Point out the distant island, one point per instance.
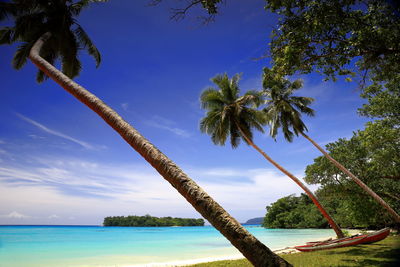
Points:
(258, 220)
(147, 220)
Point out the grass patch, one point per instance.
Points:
(385, 253)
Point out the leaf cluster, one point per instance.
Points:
(34, 18)
(294, 212)
(336, 37)
(283, 108)
(230, 115)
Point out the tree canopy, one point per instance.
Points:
(148, 220)
(294, 212)
(373, 154)
(336, 37)
(32, 19)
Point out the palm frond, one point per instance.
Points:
(211, 99)
(27, 24)
(235, 137)
(70, 63)
(21, 55)
(50, 55)
(77, 7)
(6, 35)
(84, 39)
(252, 98)
(8, 10)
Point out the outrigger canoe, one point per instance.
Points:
(346, 241)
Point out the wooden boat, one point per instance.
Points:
(346, 241)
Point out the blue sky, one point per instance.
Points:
(61, 164)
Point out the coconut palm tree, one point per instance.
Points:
(47, 31)
(232, 116)
(284, 110)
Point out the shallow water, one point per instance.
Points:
(44, 246)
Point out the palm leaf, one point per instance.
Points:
(77, 7)
(21, 55)
(67, 47)
(6, 35)
(84, 39)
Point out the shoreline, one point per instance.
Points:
(285, 250)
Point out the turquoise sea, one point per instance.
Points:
(45, 246)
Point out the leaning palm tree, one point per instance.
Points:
(48, 31)
(284, 110)
(232, 116)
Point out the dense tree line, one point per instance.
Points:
(374, 155)
(148, 220)
(294, 212)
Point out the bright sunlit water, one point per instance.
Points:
(45, 246)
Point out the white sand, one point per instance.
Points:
(286, 250)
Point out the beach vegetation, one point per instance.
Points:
(374, 154)
(150, 221)
(284, 110)
(294, 212)
(232, 116)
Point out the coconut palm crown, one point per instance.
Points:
(33, 18)
(283, 108)
(228, 114)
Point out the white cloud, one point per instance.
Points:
(56, 133)
(165, 124)
(15, 215)
(90, 191)
(54, 216)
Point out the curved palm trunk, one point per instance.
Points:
(355, 179)
(310, 194)
(255, 251)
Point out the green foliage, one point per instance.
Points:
(34, 18)
(228, 114)
(148, 220)
(383, 97)
(283, 108)
(330, 36)
(373, 155)
(294, 212)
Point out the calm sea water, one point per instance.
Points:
(45, 246)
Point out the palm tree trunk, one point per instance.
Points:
(255, 251)
(355, 179)
(310, 194)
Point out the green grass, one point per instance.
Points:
(385, 253)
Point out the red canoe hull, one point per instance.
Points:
(346, 242)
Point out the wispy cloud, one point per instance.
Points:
(165, 124)
(125, 106)
(15, 215)
(76, 185)
(56, 133)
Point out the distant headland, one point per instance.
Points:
(258, 220)
(150, 221)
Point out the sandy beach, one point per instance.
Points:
(285, 250)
